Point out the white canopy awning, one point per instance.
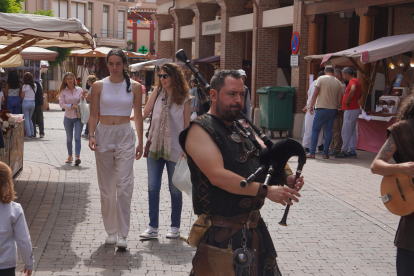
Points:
(102, 52)
(370, 52)
(31, 53)
(50, 31)
(137, 66)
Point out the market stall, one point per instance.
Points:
(393, 58)
(89, 61)
(18, 32)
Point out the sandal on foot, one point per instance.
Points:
(310, 156)
(325, 156)
(77, 161)
(69, 160)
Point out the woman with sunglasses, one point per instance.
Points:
(113, 141)
(171, 111)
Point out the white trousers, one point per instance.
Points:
(306, 142)
(114, 164)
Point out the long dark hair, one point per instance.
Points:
(179, 84)
(13, 80)
(28, 79)
(118, 52)
(407, 109)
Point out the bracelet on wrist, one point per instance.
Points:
(91, 136)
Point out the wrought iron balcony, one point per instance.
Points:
(112, 34)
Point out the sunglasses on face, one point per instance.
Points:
(161, 76)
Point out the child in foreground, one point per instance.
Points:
(13, 228)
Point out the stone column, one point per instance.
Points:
(365, 36)
(162, 48)
(204, 45)
(265, 51)
(182, 17)
(300, 76)
(231, 42)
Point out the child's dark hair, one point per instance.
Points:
(118, 52)
(7, 193)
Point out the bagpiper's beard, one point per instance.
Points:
(226, 113)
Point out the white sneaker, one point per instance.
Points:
(150, 233)
(121, 242)
(174, 233)
(111, 239)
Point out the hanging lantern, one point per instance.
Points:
(391, 65)
(412, 61)
(400, 62)
(130, 21)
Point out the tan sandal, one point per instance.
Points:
(69, 160)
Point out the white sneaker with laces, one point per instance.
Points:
(150, 233)
(111, 239)
(121, 242)
(174, 233)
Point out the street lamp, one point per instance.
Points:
(96, 37)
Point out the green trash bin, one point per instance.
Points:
(276, 108)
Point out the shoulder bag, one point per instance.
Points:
(148, 144)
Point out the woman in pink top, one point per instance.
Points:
(69, 99)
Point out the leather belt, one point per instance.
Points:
(234, 224)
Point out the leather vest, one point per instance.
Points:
(233, 144)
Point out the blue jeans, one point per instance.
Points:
(323, 117)
(86, 129)
(155, 168)
(28, 107)
(14, 104)
(69, 123)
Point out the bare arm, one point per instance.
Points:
(150, 104)
(382, 167)
(6, 91)
(94, 109)
(350, 95)
(314, 97)
(205, 153)
(139, 124)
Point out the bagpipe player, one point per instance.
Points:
(232, 237)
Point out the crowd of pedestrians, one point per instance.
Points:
(332, 109)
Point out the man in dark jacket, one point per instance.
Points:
(37, 117)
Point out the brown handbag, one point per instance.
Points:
(148, 144)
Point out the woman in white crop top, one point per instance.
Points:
(28, 104)
(113, 141)
(171, 107)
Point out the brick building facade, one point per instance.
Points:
(255, 35)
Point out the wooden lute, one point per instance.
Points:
(397, 194)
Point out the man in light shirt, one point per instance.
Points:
(328, 98)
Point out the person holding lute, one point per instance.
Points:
(399, 146)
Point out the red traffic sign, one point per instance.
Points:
(294, 44)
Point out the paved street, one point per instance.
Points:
(340, 226)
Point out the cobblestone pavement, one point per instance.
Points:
(340, 226)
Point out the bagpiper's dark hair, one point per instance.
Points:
(118, 52)
(407, 108)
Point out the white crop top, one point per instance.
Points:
(112, 104)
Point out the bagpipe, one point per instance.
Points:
(273, 158)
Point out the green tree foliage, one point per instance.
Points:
(42, 12)
(63, 53)
(10, 6)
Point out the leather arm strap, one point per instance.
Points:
(262, 192)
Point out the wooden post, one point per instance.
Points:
(365, 36)
(313, 45)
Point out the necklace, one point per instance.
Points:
(115, 87)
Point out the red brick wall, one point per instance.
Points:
(264, 65)
(403, 19)
(337, 33)
(182, 17)
(231, 43)
(299, 74)
(163, 48)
